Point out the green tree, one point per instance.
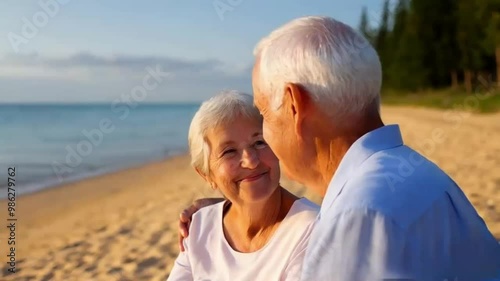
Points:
(398, 74)
(491, 14)
(470, 35)
(429, 43)
(409, 70)
(445, 49)
(382, 44)
(364, 25)
(423, 45)
(434, 23)
(400, 18)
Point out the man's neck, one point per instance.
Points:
(332, 146)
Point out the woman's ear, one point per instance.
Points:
(207, 179)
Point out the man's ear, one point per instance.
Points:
(298, 101)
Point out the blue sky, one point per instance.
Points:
(98, 51)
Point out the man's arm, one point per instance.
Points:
(187, 214)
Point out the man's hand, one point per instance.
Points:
(185, 216)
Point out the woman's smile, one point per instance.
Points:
(253, 177)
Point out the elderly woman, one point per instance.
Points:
(260, 231)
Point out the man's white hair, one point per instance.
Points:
(220, 110)
(336, 65)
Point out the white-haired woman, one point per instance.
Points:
(260, 231)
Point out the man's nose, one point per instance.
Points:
(250, 158)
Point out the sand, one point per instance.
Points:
(123, 226)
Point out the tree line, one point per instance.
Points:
(432, 44)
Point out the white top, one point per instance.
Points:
(208, 256)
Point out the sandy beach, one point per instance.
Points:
(123, 226)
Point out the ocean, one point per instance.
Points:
(53, 144)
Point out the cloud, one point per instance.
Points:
(88, 77)
(19, 72)
(124, 62)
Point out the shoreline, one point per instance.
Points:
(54, 182)
(79, 185)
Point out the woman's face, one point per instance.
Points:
(242, 166)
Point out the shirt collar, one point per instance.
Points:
(382, 138)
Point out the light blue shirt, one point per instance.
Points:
(391, 214)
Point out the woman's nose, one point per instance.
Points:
(250, 159)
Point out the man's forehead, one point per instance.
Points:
(257, 100)
(256, 61)
(257, 97)
(256, 70)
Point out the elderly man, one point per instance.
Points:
(388, 213)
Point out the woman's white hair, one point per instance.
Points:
(337, 66)
(224, 108)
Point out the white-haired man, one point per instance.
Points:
(317, 84)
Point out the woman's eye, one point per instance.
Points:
(228, 152)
